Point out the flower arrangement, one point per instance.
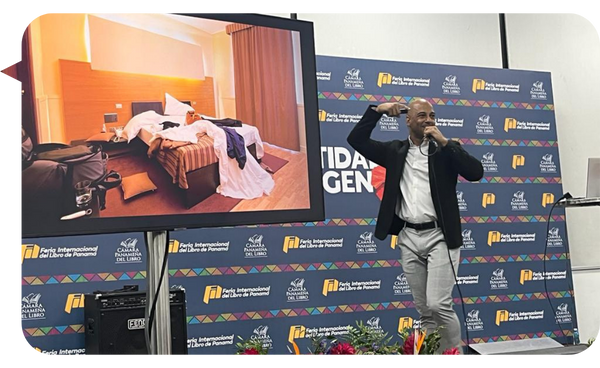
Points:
(342, 348)
(252, 346)
(366, 340)
(427, 344)
(360, 340)
(320, 345)
(453, 351)
(371, 341)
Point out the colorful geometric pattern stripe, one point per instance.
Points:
(434, 101)
(293, 267)
(326, 222)
(80, 278)
(55, 330)
(514, 258)
(296, 312)
(513, 297)
(532, 335)
(508, 219)
(229, 317)
(506, 142)
(352, 308)
(373, 222)
(272, 268)
(514, 180)
(209, 271)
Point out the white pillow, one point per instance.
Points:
(175, 107)
(136, 123)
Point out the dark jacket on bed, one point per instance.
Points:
(236, 147)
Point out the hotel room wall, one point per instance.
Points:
(88, 93)
(63, 37)
(164, 25)
(122, 48)
(54, 37)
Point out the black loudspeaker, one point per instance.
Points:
(114, 323)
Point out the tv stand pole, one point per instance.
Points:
(157, 243)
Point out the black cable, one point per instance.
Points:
(454, 273)
(570, 280)
(437, 148)
(544, 275)
(146, 309)
(154, 302)
(162, 274)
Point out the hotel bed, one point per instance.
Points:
(194, 168)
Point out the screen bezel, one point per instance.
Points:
(153, 223)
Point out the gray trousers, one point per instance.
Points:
(427, 268)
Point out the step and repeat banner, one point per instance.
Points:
(291, 282)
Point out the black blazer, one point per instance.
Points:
(444, 168)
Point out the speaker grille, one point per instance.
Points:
(120, 330)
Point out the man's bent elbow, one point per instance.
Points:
(353, 141)
(476, 175)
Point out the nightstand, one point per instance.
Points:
(116, 149)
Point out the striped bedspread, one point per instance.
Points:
(188, 158)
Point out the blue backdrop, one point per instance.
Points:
(289, 282)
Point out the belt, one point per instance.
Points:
(423, 226)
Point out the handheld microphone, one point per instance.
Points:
(430, 138)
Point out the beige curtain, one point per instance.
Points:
(265, 88)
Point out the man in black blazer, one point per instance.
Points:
(419, 205)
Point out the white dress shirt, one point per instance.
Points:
(417, 205)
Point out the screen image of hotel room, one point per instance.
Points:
(89, 67)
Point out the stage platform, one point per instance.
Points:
(542, 346)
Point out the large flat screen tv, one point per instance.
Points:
(199, 120)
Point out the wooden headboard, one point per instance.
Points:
(156, 106)
(140, 107)
(88, 94)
